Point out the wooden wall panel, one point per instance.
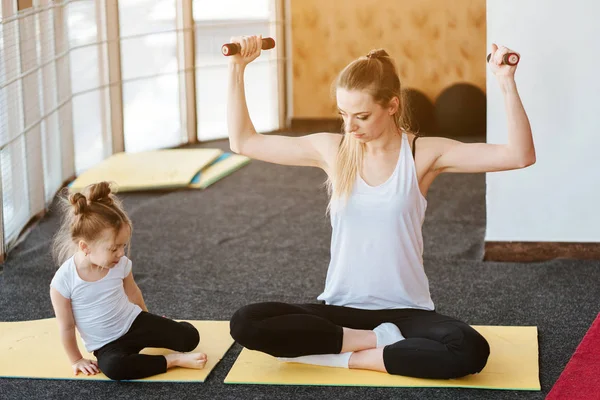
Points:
(435, 43)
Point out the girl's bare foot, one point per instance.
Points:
(186, 360)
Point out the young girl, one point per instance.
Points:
(94, 290)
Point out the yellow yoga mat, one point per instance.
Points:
(32, 349)
(512, 365)
(159, 169)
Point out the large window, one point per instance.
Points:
(83, 79)
(216, 23)
(85, 65)
(15, 196)
(150, 76)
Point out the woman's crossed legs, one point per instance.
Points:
(435, 346)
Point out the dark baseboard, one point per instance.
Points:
(313, 125)
(540, 251)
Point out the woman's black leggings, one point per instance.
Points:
(120, 359)
(436, 346)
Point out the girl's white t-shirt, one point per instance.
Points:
(101, 309)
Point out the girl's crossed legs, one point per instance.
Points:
(120, 359)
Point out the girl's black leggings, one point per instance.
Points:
(120, 359)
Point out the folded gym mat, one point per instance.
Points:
(581, 377)
(157, 169)
(32, 349)
(226, 164)
(512, 365)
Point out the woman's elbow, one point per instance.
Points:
(235, 146)
(527, 160)
(241, 147)
(235, 149)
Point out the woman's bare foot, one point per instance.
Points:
(186, 360)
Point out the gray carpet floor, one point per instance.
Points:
(261, 234)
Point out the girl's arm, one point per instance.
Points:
(66, 324)
(133, 292)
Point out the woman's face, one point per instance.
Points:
(364, 118)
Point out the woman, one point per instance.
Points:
(376, 310)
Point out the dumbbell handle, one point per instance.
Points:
(229, 49)
(508, 58)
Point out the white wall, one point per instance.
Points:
(558, 198)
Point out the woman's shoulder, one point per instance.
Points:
(427, 143)
(327, 144)
(426, 150)
(326, 139)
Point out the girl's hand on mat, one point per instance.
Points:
(88, 367)
(250, 48)
(497, 66)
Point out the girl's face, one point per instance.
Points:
(364, 118)
(108, 249)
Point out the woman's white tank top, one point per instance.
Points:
(377, 243)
